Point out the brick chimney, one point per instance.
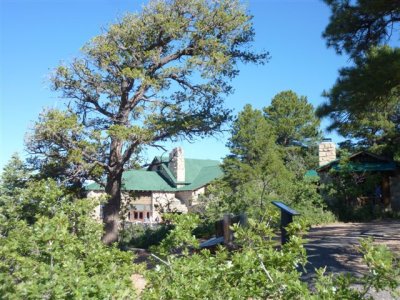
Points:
(326, 152)
(177, 164)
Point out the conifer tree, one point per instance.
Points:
(157, 75)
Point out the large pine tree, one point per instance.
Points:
(157, 75)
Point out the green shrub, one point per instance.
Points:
(180, 239)
(255, 271)
(143, 235)
(55, 252)
(259, 269)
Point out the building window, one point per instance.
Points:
(135, 215)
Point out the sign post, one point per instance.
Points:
(287, 214)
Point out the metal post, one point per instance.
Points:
(243, 219)
(287, 214)
(227, 230)
(286, 219)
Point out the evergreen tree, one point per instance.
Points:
(254, 170)
(296, 127)
(355, 26)
(157, 75)
(14, 176)
(269, 156)
(293, 119)
(364, 103)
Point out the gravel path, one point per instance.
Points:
(335, 246)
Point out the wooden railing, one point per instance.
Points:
(224, 233)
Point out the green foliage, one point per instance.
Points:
(142, 236)
(306, 199)
(383, 274)
(383, 267)
(14, 176)
(355, 26)
(206, 229)
(180, 239)
(67, 162)
(221, 199)
(50, 247)
(330, 287)
(296, 127)
(59, 255)
(259, 269)
(293, 119)
(38, 198)
(255, 170)
(364, 103)
(268, 160)
(349, 194)
(157, 75)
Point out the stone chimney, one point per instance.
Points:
(177, 164)
(326, 152)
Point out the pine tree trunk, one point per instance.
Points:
(113, 189)
(112, 208)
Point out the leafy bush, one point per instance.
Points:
(55, 252)
(255, 271)
(349, 194)
(206, 228)
(260, 269)
(305, 198)
(301, 195)
(181, 237)
(142, 235)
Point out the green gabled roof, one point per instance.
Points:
(367, 166)
(311, 174)
(167, 174)
(204, 176)
(375, 163)
(94, 187)
(198, 172)
(140, 180)
(193, 167)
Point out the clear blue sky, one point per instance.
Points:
(36, 35)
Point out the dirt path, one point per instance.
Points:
(335, 246)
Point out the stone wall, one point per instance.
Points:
(97, 196)
(196, 194)
(190, 197)
(140, 201)
(155, 202)
(137, 198)
(166, 202)
(185, 196)
(326, 152)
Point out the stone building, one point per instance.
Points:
(363, 164)
(169, 184)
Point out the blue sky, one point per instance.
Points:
(36, 35)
